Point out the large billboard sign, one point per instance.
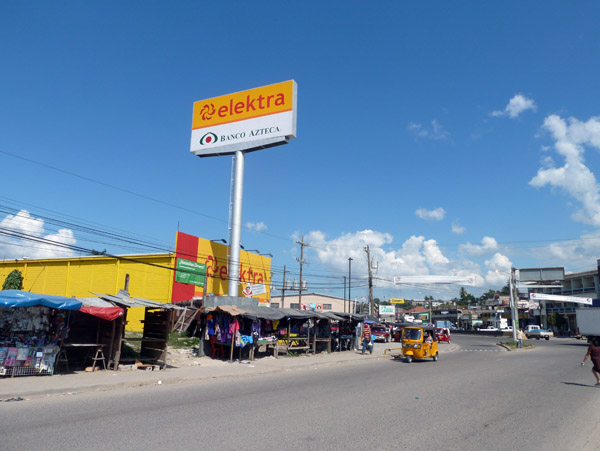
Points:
(247, 120)
(541, 274)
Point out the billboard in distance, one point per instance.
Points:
(247, 120)
(387, 310)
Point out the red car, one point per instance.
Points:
(380, 333)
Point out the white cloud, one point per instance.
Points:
(414, 257)
(256, 226)
(516, 106)
(488, 245)
(434, 256)
(499, 270)
(578, 253)
(574, 177)
(24, 224)
(431, 215)
(457, 228)
(436, 132)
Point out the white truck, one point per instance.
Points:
(588, 321)
(535, 331)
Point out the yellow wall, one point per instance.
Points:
(254, 269)
(82, 277)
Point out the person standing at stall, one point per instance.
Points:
(366, 337)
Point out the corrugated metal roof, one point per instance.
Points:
(95, 302)
(123, 298)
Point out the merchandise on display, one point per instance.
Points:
(29, 340)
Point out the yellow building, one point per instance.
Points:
(151, 276)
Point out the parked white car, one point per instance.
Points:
(488, 329)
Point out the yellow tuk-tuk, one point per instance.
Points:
(419, 342)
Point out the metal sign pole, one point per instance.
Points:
(236, 225)
(513, 304)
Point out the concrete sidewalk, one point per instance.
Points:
(181, 370)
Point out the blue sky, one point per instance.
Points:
(451, 139)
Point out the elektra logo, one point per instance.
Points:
(209, 138)
(207, 112)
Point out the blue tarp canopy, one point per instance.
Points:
(16, 298)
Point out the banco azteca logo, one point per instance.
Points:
(207, 112)
(208, 138)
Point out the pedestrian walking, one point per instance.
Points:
(366, 337)
(594, 354)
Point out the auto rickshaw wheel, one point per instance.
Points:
(435, 357)
(409, 359)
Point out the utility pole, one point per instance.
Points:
(283, 290)
(514, 311)
(366, 249)
(350, 284)
(301, 261)
(344, 294)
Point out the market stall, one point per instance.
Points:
(155, 335)
(32, 330)
(323, 331)
(95, 335)
(244, 331)
(228, 327)
(347, 331)
(251, 328)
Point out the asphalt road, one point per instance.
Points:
(479, 397)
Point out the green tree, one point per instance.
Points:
(465, 296)
(14, 281)
(488, 295)
(557, 320)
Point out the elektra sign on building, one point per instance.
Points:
(247, 120)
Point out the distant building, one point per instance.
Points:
(578, 284)
(313, 301)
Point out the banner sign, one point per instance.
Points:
(397, 300)
(247, 120)
(459, 280)
(557, 298)
(259, 289)
(190, 272)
